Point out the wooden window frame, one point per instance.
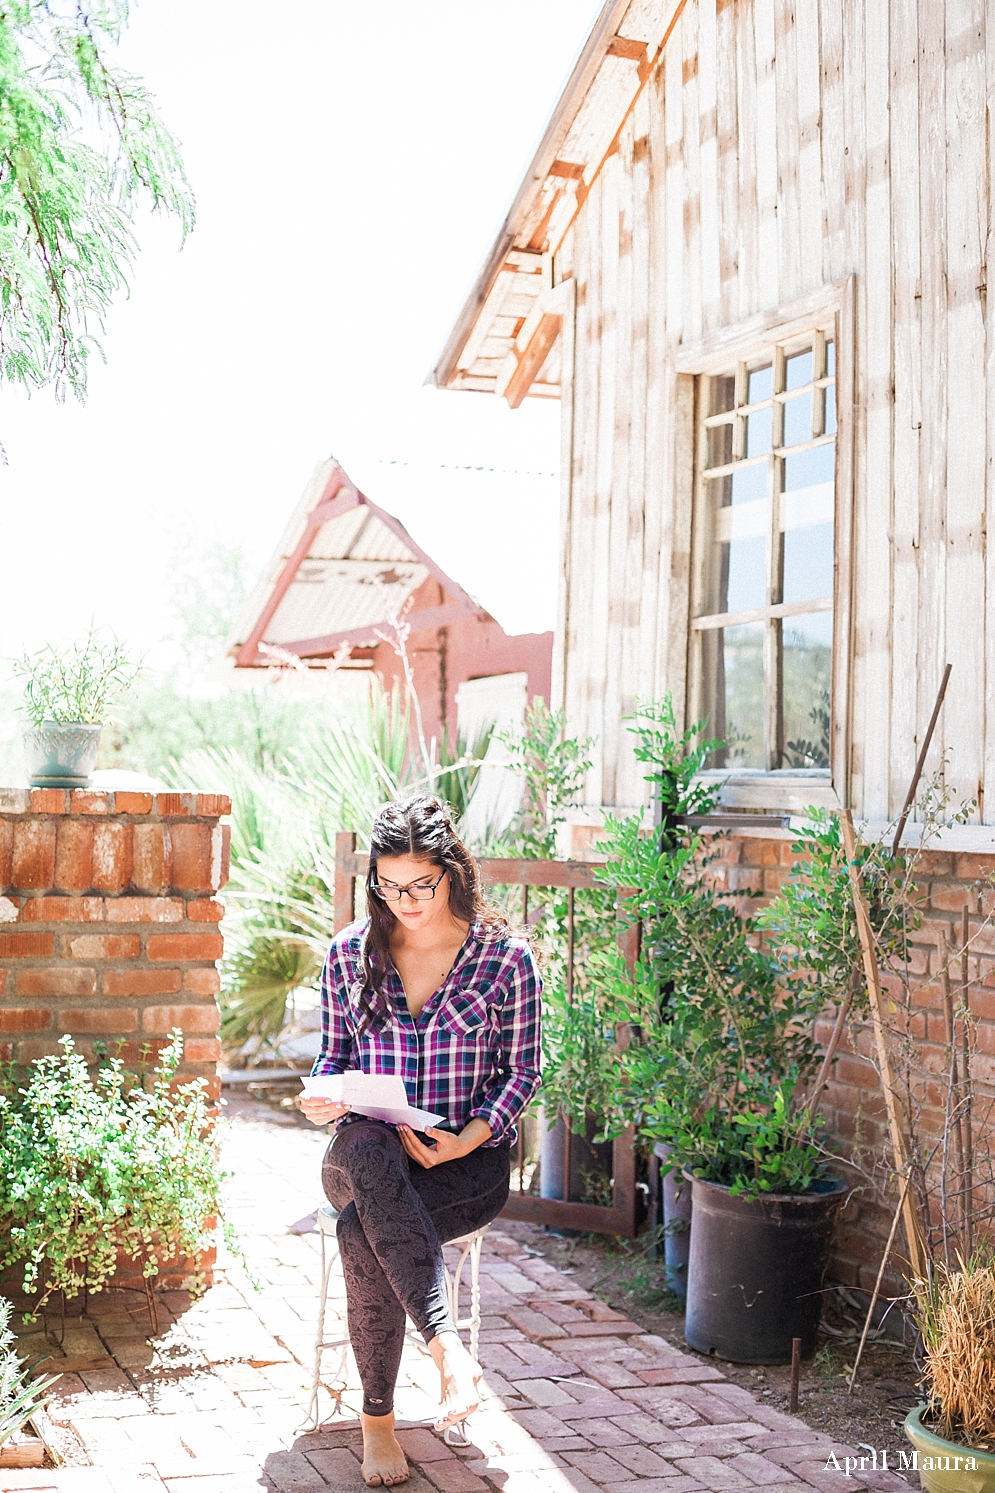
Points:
(829, 310)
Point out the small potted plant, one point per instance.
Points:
(954, 1431)
(66, 695)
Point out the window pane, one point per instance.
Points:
(758, 433)
(737, 579)
(813, 468)
(723, 395)
(746, 563)
(808, 563)
(831, 410)
(761, 385)
(831, 359)
(807, 523)
(798, 420)
(719, 446)
(799, 371)
(750, 484)
(807, 645)
(741, 678)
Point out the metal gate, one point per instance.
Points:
(351, 866)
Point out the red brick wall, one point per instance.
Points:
(109, 922)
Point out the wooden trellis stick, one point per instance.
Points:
(917, 1255)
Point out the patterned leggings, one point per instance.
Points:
(394, 1217)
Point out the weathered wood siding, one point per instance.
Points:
(782, 145)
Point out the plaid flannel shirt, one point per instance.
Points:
(473, 1049)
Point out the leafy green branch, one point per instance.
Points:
(67, 205)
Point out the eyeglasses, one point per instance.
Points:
(418, 891)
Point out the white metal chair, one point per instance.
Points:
(470, 1245)
(326, 1219)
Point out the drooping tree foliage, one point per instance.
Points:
(82, 146)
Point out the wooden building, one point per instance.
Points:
(344, 573)
(750, 256)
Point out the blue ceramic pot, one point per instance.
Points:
(60, 756)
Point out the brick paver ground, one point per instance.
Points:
(576, 1399)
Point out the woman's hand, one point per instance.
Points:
(321, 1111)
(447, 1146)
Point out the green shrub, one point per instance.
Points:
(90, 1165)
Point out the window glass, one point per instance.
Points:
(813, 468)
(798, 371)
(831, 410)
(743, 695)
(798, 420)
(761, 385)
(807, 644)
(747, 574)
(719, 446)
(723, 395)
(758, 433)
(808, 563)
(749, 485)
(781, 719)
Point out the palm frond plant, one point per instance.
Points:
(20, 1395)
(260, 975)
(456, 777)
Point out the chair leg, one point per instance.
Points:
(475, 1253)
(326, 1267)
(328, 1257)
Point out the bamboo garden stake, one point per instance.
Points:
(913, 1237)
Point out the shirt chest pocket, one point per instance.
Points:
(466, 1015)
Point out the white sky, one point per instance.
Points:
(352, 163)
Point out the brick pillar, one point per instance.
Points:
(108, 922)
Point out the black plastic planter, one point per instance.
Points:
(756, 1270)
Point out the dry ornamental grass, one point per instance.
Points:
(956, 1313)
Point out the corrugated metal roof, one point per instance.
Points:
(330, 596)
(359, 568)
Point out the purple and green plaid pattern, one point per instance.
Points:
(474, 1049)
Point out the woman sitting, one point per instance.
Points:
(433, 986)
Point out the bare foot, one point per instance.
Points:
(384, 1462)
(459, 1374)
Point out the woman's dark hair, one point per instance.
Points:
(420, 826)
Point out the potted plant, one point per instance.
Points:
(714, 1076)
(954, 1431)
(66, 695)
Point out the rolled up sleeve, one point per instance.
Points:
(516, 1075)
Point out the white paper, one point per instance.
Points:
(378, 1096)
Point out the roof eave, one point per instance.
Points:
(591, 57)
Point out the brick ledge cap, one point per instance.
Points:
(181, 803)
